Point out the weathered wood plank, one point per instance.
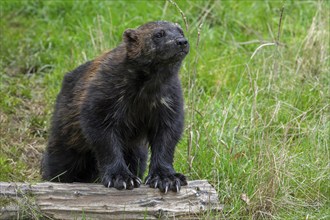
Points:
(94, 201)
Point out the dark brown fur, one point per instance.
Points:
(111, 109)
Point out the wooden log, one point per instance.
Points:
(94, 201)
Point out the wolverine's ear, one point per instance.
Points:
(130, 36)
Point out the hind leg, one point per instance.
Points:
(64, 166)
(56, 166)
(88, 172)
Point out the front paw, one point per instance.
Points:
(121, 180)
(166, 181)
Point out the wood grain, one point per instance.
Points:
(94, 201)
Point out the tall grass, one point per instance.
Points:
(260, 139)
(257, 94)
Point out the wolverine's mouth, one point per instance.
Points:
(182, 53)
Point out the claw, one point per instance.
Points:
(132, 182)
(166, 189)
(156, 184)
(109, 184)
(124, 184)
(177, 188)
(138, 180)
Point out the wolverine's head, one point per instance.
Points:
(156, 42)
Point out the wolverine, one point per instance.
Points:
(112, 109)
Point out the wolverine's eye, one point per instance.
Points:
(181, 31)
(160, 34)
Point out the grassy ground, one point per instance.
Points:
(257, 128)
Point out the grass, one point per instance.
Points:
(258, 129)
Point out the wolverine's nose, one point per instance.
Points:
(182, 42)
